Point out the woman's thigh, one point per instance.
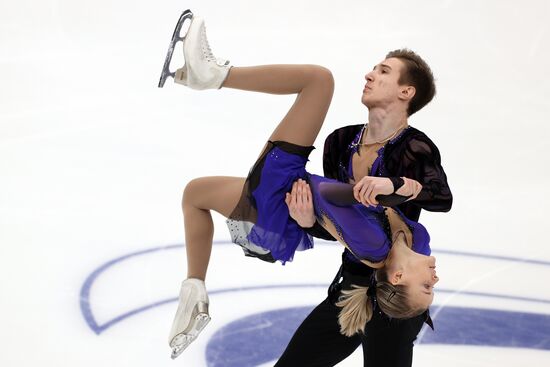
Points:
(218, 193)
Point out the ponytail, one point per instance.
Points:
(356, 310)
(358, 303)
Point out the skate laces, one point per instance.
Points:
(206, 46)
(207, 51)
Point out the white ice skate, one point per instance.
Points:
(191, 316)
(202, 70)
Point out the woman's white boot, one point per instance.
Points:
(191, 316)
(202, 70)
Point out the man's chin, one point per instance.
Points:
(365, 101)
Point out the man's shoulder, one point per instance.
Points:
(414, 134)
(342, 136)
(414, 140)
(354, 129)
(345, 134)
(348, 129)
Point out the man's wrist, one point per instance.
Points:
(307, 225)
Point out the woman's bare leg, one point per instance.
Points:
(314, 87)
(201, 195)
(313, 84)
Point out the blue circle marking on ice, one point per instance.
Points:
(454, 324)
(85, 290)
(271, 331)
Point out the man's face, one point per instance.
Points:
(382, 86)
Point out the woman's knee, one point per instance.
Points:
(323, 76)
(193, 192)
(213, 193)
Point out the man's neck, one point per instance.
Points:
(384, 122)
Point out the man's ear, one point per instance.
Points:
(407, 92)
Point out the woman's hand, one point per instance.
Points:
(368, 187)
(411, 187)
(300, 204)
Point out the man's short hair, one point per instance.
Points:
(418, 74)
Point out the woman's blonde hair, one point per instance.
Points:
(357, 305)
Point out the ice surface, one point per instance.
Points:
(94, 158)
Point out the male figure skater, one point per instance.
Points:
(373, 157)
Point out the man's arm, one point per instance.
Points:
(423, 183)
(424, 166)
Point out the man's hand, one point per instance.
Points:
(368, 187)
(300, 204)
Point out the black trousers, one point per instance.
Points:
(318, 343)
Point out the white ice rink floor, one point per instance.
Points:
(94, 158)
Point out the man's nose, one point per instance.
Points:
(368, 77)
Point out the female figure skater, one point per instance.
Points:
(257, 207)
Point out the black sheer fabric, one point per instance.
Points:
(412, 155)
(341, 194)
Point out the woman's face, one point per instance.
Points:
(419, 276)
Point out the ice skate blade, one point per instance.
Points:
(181, 341)
(187, 14)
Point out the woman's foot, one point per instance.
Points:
(191, 316)
(202, 70)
